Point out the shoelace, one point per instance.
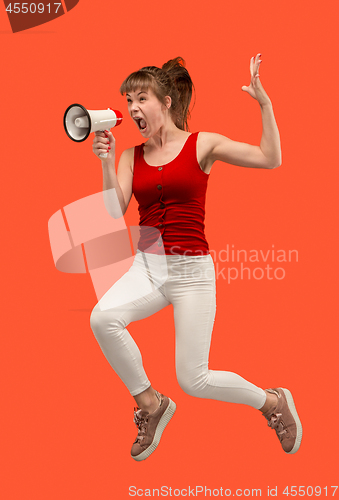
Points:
(141, 423)
(274, 422)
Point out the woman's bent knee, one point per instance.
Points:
(105, 323)
(96, 320)
(193, 386)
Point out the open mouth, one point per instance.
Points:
(142, 125)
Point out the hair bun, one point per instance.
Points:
(177, 61)
(177, 69)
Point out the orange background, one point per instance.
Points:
(66, 419)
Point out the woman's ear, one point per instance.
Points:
(168, 102)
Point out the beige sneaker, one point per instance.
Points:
(284, 419)
(151, 426)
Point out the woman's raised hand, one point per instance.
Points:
(104, 142)
(255, 88)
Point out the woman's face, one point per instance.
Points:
(147, 111)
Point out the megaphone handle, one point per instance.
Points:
(103, 155)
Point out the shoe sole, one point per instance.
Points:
(293, 410)
(169, 412)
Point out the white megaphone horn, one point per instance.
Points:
(80, 122)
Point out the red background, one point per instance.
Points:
(66, 418)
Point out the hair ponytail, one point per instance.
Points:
(171, 80)
(183, 89)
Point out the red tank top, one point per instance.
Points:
(171, 199)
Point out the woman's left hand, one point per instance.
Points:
(255, 89)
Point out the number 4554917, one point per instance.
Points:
(32, 8)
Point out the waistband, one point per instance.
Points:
(174, 258)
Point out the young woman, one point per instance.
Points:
(168, 175)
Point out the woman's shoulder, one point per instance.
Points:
(130, 155)
(127, 159)
(209, 137)
(207, 141)
(129, 152)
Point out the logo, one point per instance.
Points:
(90, 236)
(25, 15)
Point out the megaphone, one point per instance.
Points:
(80, 122)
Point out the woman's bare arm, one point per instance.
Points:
(120, 182)
(215, 147)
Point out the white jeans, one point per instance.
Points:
(152, 283)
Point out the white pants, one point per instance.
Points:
(152, 283)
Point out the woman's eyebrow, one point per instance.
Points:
(141, 92)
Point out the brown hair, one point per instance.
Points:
(171, 80)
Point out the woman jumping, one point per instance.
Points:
(168, 175)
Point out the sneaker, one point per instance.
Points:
(151, 426)
(283, 418)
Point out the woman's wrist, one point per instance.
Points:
(108, 164)
(266, 104)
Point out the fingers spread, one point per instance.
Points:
(251, 65)
(258, 60)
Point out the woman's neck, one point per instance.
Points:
(168, 133)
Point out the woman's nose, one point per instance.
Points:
(134, 106)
